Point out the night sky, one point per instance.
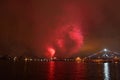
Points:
(66, 27)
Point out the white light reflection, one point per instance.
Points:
(106, 71)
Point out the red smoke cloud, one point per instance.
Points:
(65, 37)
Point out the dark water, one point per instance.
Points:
(58, 71)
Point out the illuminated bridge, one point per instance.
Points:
(105, 54)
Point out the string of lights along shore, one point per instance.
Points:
(102, 56)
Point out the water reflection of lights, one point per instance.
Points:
(106, 71)
(51, 70)
(79, 71)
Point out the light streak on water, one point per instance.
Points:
(106, 71)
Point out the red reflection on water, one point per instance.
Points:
(80, 71)
(66, 70)
(51, 71)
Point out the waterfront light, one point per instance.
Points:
(25, 59)
(15, 58)
(78, 59)
(31, 59)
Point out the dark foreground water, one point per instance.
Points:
(58, 71)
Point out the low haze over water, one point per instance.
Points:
(58, 71)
